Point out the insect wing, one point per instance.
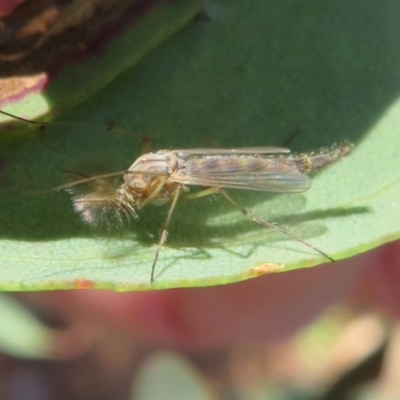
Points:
(239, 151)
(244, 172)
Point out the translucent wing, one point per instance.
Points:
(255, 151)
(243, 172)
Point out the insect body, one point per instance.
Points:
(165, 176)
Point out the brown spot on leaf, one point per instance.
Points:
(84, 283)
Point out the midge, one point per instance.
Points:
(166, 175)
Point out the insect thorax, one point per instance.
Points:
(148, 176)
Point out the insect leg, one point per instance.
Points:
(271, 225)
(146, 141)
(202, 193)
(146, 145)
(164, 232)
(27, 121)
(154, 193)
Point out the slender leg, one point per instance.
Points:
(154, 193)
(255, 218)
(95, 178)
(202, 193)
(164, 232)
(146, 145)
(146, 141)
(271, 224)
(27, 121)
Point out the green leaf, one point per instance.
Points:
(248, 74)
(22, 334)
(166, 375)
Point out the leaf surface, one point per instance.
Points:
(243, 74)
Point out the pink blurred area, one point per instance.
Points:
(8, 6)
(240, 335)
(268, 308)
